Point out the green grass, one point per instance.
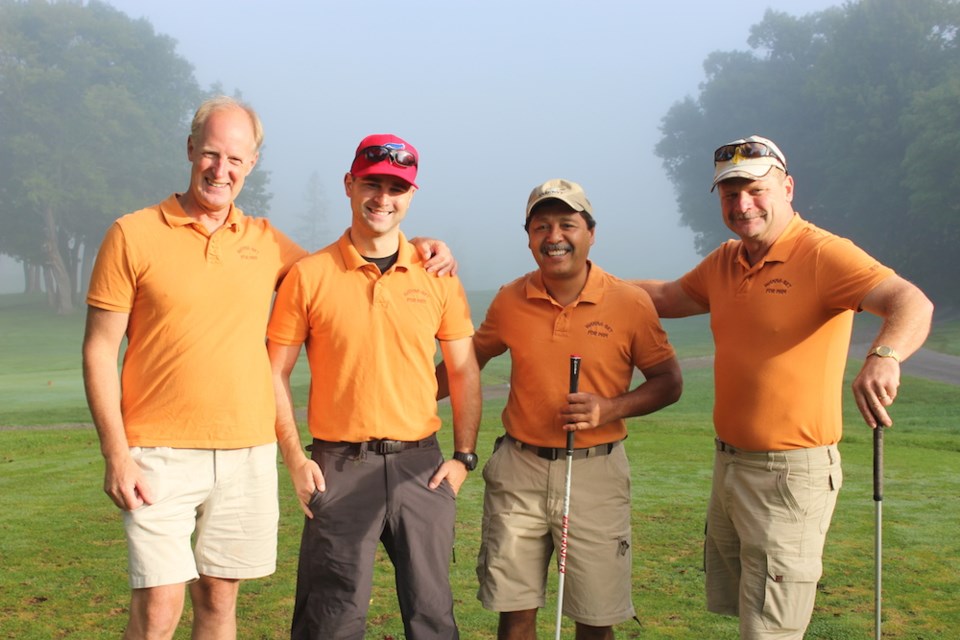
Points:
(945, 337)
(40, 377)
(64, 557)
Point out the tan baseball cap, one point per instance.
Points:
(568, 192)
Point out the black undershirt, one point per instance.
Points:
(384, 263)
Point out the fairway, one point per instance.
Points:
(64, 557)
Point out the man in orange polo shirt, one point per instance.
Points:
(567, 306)
(782, 299)
(370, 316)
(189, 444)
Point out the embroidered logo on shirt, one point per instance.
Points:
(248, 253)
(416, 296)
(777, 286)
(599, 329)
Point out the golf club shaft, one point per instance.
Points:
(878, 463)
(878, 500)
(564, 525)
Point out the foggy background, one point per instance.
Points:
(497, 96)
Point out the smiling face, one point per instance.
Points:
(221, 157)
(378, 203)
(757, 210)
(560, 241)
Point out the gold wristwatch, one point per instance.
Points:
(883, 351)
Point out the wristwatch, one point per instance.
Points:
(884, 351)
(469, 460)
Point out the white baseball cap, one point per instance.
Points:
(749, 158)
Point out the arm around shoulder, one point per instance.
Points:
(437, 256)
(670, 299)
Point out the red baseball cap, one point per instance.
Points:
(386, 154)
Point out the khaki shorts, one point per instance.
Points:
(522, 521)
(767, 523)
(227, 499)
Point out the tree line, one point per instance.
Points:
(94, 113)
(864, 99)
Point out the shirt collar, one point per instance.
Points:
(175, 216)
(592, 290)
(406, 257)
(782, 246)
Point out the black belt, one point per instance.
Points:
(380, 447)
(556, 453)
(726, 448)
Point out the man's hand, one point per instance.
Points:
(307, 480)
(436, 255)
(123, 481)
(454, 471)
(662, 386)
(906, 314)
(875, 389)
(583, 411)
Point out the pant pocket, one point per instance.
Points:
(790, 591)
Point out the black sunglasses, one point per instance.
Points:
(747, 150)
(380, 153)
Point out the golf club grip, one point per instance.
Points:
(574, 373)
(574, 386)
(878, 463)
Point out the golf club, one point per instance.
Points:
(564, 527)
(878, 500)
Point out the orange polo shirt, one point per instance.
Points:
(614, 328)
(371, 340)
(195, 373)
(782, 330)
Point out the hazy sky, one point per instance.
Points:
(497, 96)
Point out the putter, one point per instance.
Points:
(564, 527)
(878, 500)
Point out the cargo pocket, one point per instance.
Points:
(790, 591)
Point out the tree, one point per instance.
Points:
(931, 170)
(254, 200)
(849, 94)
(312, 232)
(94, 110)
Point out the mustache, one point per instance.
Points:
(547, 247)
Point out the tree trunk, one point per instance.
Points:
(31, 277)
(63, 294)
(86, 268)
(72, 251)
(49, 287)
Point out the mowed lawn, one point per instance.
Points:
(63, 555)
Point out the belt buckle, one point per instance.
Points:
(385, 447)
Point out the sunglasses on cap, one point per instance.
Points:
(380, 153)
(746, 150)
